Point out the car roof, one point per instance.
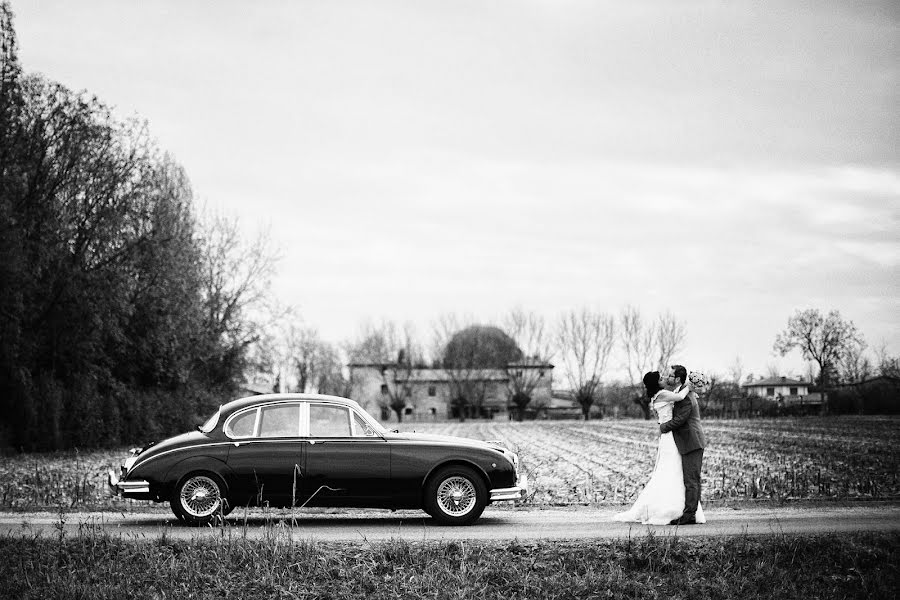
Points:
(234, 405)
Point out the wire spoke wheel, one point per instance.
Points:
(456, 496)
(200, 497)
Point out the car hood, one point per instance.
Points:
(445, 439)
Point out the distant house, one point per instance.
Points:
(775, 387)
(429, 391)
(784, 391)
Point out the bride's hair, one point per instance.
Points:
(651, 382)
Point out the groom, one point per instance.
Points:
(690, 441)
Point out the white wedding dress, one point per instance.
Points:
(662, 499)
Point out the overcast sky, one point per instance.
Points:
(731, 162)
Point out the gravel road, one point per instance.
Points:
(497, 524)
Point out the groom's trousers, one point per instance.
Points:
(690, 465)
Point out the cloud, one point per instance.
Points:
(727, 162)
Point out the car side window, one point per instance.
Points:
(242, 426)
(328, 421)
(361, 428)
(280, 421)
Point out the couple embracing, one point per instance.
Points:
(672, 495)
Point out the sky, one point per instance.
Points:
(729, 162)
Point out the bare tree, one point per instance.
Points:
(824, 339)
(855, 366)
(737, 370)
(638, 343)
(888, 366)
(315, 363)
(235, 279)
(395, 350)
(584, 340)
(669, 337)
(648, 346)
(532, 336)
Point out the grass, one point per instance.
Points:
(97, 565)
(755, 461)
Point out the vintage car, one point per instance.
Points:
(299, 450)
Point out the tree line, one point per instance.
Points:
(123, 315)
(585, 345)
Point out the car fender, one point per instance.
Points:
(191, 464)
(454, 461)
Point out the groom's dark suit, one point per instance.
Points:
(690, 441)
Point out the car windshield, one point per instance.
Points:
(210, 423)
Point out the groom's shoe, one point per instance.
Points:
(684, 520)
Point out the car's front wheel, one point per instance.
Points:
(199, 499)
(455, 495)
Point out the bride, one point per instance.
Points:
(662, 499)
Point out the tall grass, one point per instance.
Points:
(96, 565)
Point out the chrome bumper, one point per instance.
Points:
(514, 493)
(117, 487)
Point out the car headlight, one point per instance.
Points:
(129, 462)
(513, 458)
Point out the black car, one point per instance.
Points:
(297, 450)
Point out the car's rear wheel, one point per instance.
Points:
(199, 499)
(455, 495)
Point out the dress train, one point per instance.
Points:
(662, 499)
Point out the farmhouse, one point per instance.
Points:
(775, 387)
(785, 392)
(430, 393)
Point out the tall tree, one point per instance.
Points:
(888, 364)
(235, 278)
(736, 370)
(648, 346)
(825, 339)
(112, 309)
(395, 350)
(855, 366)
(532, 335)
(474, 358)
(585, 339)
(669, 335)
(160, 334)
(316, 363)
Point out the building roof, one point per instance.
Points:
(528, 363)
(441, 375)
(770, 381)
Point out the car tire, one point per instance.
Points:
(199, 499)
(455, 495)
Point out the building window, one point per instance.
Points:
(432, 390)
(793, 391)
(384, 389)
(770, 391)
